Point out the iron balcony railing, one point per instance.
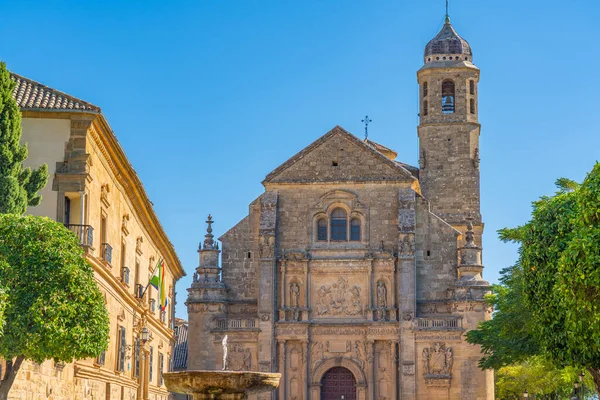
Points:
(439, 323)
(107, 252)
(85, 234)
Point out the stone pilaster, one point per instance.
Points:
(267, 290)
(407, 290)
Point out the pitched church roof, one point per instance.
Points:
(32, 95)
(375, 149)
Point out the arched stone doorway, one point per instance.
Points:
(338, 383)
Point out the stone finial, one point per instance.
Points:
(470, 235)
(208, 238)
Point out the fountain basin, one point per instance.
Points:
(221, 385)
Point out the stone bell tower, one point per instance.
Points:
(449, 129)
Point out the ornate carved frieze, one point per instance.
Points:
(291, 331)
(449, 336)
(344, 330)
(341, 298)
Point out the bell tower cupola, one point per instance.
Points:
(449, 129)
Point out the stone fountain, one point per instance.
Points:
(221, 385)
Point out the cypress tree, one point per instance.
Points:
(19, 185)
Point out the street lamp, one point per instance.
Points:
(145, 335)
(582, 390)
(525, 394)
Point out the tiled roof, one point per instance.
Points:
(32, 95)
(180, 350)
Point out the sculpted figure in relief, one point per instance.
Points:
(247, 360)
(324, 295)
(406, 247)
(294, 294)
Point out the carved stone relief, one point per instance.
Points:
(407, 246)
(339, 299)
(437, 360)
(316, 354)
(266, 246)
(381, 300)
(239, 358)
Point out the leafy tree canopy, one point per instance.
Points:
(54, 309)
(539, 377)
(507, 338)
(19, 186)
(557, 280)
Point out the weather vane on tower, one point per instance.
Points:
(366, 121)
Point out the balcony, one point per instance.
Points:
(106, 252)
(236, 324)
(85, 234)
(439, 324)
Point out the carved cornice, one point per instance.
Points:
(124, 174)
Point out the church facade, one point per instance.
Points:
(355, 275)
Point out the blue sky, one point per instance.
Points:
(207, 97)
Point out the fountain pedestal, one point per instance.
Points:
(221, 385)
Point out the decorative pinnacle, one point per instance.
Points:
(470, 235)
(208, 238)
(447, 14)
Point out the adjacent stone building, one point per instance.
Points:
(95, 192)
(354, 275)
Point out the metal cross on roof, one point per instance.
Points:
(366, 121)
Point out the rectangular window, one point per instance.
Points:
(68, 211)
(136, 364)
(161, 365)
(151, 360)
(103, 229)
(123, 254)
(472, 87)
(122, 349)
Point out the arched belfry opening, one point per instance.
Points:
(448, 97)
(338, 383)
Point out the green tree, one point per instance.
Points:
(507, 338)
(19, 186)
(538, 376)
(54, 309)
(559, 274)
